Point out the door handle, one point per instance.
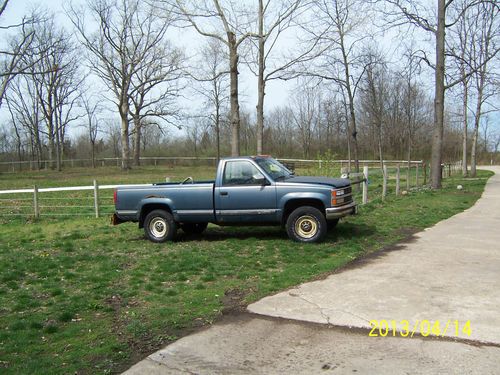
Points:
(223, 193)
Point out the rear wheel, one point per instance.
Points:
(306, 224)
(159, 226)
(194, 228)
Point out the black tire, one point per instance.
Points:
(331, 224)
(194, 228)
(306, 224)
(159, 226)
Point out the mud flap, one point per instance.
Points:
(115, 220)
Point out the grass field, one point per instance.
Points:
(78, 295)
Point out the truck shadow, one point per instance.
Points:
(344, 231)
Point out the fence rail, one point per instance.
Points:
(36, 207)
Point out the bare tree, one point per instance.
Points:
(496, 144)
(410, 102)
(281, 135)
(272, 24)
(341, 22)
(11, 59)
(26, 114)
(92, 107)
(374, 95)
(155, 86)
(306, 114)
(463, 32)
(56, 81)
(413, 13)
(212, 76)
(127, 32)
(225, 23)
(484, 45)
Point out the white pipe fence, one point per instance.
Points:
(36, 191)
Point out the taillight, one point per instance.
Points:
(115, 198)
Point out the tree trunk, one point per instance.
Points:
(125, 145)
(217, 129)
(409, 159)
(473, 153)
(92, 144)
(475, 135)
(465, 171)
(137, 141)
(437, 138)
(477, 120)
(352, 114)
(51, 144)
(235, 106)
(380, 154)
(58, 148)
(261, 85)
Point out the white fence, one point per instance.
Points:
(36, 207)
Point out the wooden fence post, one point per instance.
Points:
(365, 184)
(384, 184)
(397, 180)
(96, 199)
(425, 173)
(408, 166)
(416, 175)
(35, 202)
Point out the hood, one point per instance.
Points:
(335, 182)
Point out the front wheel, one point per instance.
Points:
(306, 224)
(159, 226)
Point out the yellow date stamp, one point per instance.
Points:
(405, 328)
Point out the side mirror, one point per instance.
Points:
(260, 179)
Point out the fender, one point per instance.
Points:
(154, 201)
(324, 198)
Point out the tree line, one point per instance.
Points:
(357, 93)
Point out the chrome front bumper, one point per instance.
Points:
(338, 212)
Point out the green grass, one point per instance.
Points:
(79, 295)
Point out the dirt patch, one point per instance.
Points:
(234, 301)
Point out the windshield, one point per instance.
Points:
(274, 168)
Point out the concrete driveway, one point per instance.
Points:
(449, 274)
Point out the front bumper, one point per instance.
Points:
(338, 212)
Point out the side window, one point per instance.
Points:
(240, 173)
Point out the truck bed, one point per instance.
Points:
(189, 202)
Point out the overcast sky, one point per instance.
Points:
(276, 91)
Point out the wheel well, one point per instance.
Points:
(147, 208)
(296, 203)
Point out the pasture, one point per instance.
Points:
(78, 295)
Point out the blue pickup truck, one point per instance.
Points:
(246, 191)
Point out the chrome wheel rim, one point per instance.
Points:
(158, 227)
(306, 226)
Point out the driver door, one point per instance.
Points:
(245, 195)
